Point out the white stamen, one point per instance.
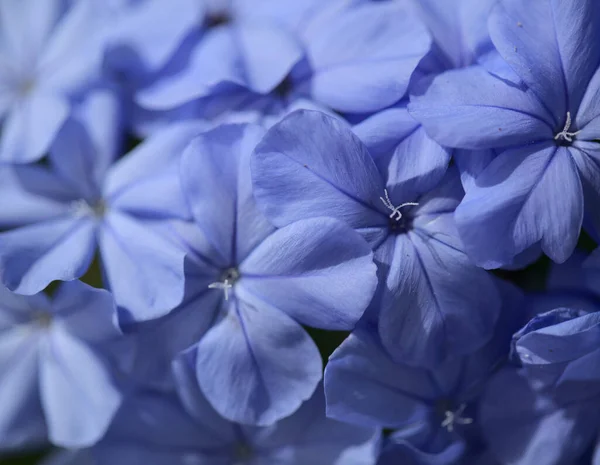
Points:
(453, 418)
(565, 134)
(83, 208)
(395, 210)
(223, 285)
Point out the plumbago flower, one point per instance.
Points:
(139, 41)
(556, 390)
(257, 285)
(544, 127)
(47, 57)
(155, 429)
(521, 424)
(351, 56)
(140, 46)
(460, 38)
(434, 302)
(59, 215)
(433, 411)
(60, 365)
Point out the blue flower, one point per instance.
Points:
(560, 351)
(556, 391)
(139, 41)
(60, 214)
(522, 425)
(434, 302)
(157, 429)
(544, 128)
(349, 56)
(434, 412)
(256, 285)
(61, 365)
(47, 58)
(460, 36)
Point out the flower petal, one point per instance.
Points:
(22, 422)
(33, 256)
(382, 394)
(88, 313)
(215, 175)
(318, 271)
(264, 71)
(25, 26)
(73, 55)
(143, 269)
(521, 427)
(517, 203)
(31, 127)
(469, 108)
(78, 393)
(142, 28)
(329, 174)
(31, 194)
(552, 45)
(253, 376)
(146, 181)
(383, 131)
(438, 303)
(364, 59)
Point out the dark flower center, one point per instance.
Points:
(243, 452)
(226, 282)
(217, 19)
(231, 275)
(42, 319)
(401, 226)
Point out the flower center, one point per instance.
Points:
(227, 281)
(565, 135)
(25, 87)
(398, 222)
(82, 207)
(452, 416)
(42, 319)
(243, 452)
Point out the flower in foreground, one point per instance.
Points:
(256, 285)
(545, 130)
(433, 301)
(62, 362)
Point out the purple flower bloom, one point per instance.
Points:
(434, 302)
(47, 57)
(350, 56)
(559, 350)
(62, 213)
(156, 429)
(60, 364)
(543, 127)
(434, 411)
(256, 285)
(522, 425)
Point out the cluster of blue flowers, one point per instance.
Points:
(235, 173)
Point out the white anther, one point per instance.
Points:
(395, 210)
(565, 134)
(453, 418)
(223, 285)
(83, 208)
(80, 207)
